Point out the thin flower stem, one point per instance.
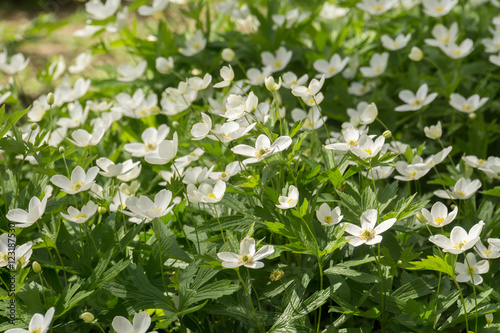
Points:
(255, 291)
(382, 287)
(50, 255)
(463, 303)
(220, 225)
(249, 297)
(473, 289)
(320, 266)
(43, 291)
(159, 251)
(100, 327)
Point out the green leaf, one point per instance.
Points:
(434, 264)
(353, 274)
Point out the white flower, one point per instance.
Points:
(416, 101)
(158, 6)
(151, 138)
(3, 98)
(82, 138)
(437, 8)
(232, 169)
(164, 65)
(57, 68)
(433, 132)
(184, 161)
(130, 171)
(22, 253)
(256, 76)
(471, 104)
(77, 116)
(201, 130)
(463, 189)
(327, 216)
(310, 91)
(290, 201)
(35, 211)
(492, 252)
(443, 36)
(98, 11)
(130, 73)
(278, 60)
(367, 148)
(359, 89)
(313, 119)
(492, 45)
(459, 241)
(351, 138)
(416, 54)
(395, 44)
(378, 172)
(197, 83)
(438, 216)
(197, 175)
(495, 59)
(470, 269)
(110, 169)
(141, 323)
(332, 67)
(271, 85)
(237, 106)
(143, 208)
(17, 63)
(167, 150)
(364, 114)
(456, 51)
(290, 79)
(330, 11)
(412, 171)
(77, 216)
(82, 61)
(247, 257)
(206, 193)
(80, 181)
(368, 233)
(195, 45)
(376, 7)
(263, 148)
(473, 161)
(378, 64)
(227, 74)
(227, 55)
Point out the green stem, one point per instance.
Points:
(249, 297)
(220, 225)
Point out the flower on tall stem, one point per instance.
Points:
(247, 256)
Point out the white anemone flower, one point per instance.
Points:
(194, 45)
(433, 132)
(145, 209)
(470, 269)
(471, 104)
(367, 148)
(395, 44)
(151, 138)
(327, 216)
(492, 252)
(158, 6)
(198, 84)
(112, 169)
(351, 137)
(201, 130)
(290, 79)
(232, 169)
(332, 67)
(130, 73)
(227, 74)
(197, 174)
(167, 150)
(277, 61)
(376, 7)
(442, 35)
(456, 51)
(77, 116)
(81, 62)
(257, 76)
(80, 216)
(463, 189)
(437, 8)
(313, 119)
(412, 171)
(35, 211)
(206, 193)
(416, 101)
(459, 241)
(368, 233)
(80, 181)
(17, 63)
(39, 323)
(82, 138)
(290, 201)
(263, 148)
(185, 160)
(247, 256)
(22, 253)
(378, 64)
(379, 172)
(140, 323)
(99, 11)
(438, 216)
(164, 65)
(359, 89)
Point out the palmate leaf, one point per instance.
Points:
(434, 263)
(353, 274)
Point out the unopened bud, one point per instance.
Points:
(453, 206)
(421, 218)
(472, 116)
(101, 210)
(271, 85)
(50, 99)
(195, 72)
(400, 262)
(34, 126)
(175, 123)
(416, 54)
(228, 55)
(62, 150)
(36, 267)
(387, 134)
(276, 274)
(87, 317)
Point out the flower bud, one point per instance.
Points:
(400, 262)
(416, 54)
(387, 134)
(62, 150)
(489, 318)
(195, 72)
(36, 267)
(228, 55)
(34, 126)
(472, 116)
(101, 210)
(87, 317)
(276, 274)
(421, 218)
(175, 123)
(271, 85)
(50, 98)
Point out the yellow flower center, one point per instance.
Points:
(212, 195)
(277, 63)
(289, 200)
(261, 151)
(481, 161)
(224, 175)
(328, 219)
(332, 69)
(245, 259)
(81, 215)
(150, 146)
(461, 193)
(143, 112)
(378, 70)
(395, 44)
(352, 143)
(367, 234)
(196, 46)
(369, 151)
(487, 252)
(457, 52)
(21, 261)
(459, 245)
(378, 8)
(439, 9)
(471, 270)
(308, 123)
(35, 330)
(76, 185)
(193, 155)
(467, 107)
(4, 257)
(158, 209)
(412, 174)
(439, 220)
(417, 102)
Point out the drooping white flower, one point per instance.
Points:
(57, 68)
(463, 189)
(158, 6)
(378, 64)
(227, 74)
(438, 216)
(39, 323)
(327, 216)
(368, 233)
(437, 8)
(395, 44)
(416, 101)
(277, 61)
(332, 67)
(247, 256)
(470, 269)
(197, 83)
(433, 132)
(167, 150)
(263, 148)
(80, 181)
(80, 216)
(459, 241)
(35, 211)
(206, 193)
(99, 11)
(271, 85)
(8, 253)
(376, 7)
(82, 138)
(130, 73)
(185, 160)
(471, 104)
(197, 175)
(82, 61)
(140, 323)
(151, 138)
(289, 201)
